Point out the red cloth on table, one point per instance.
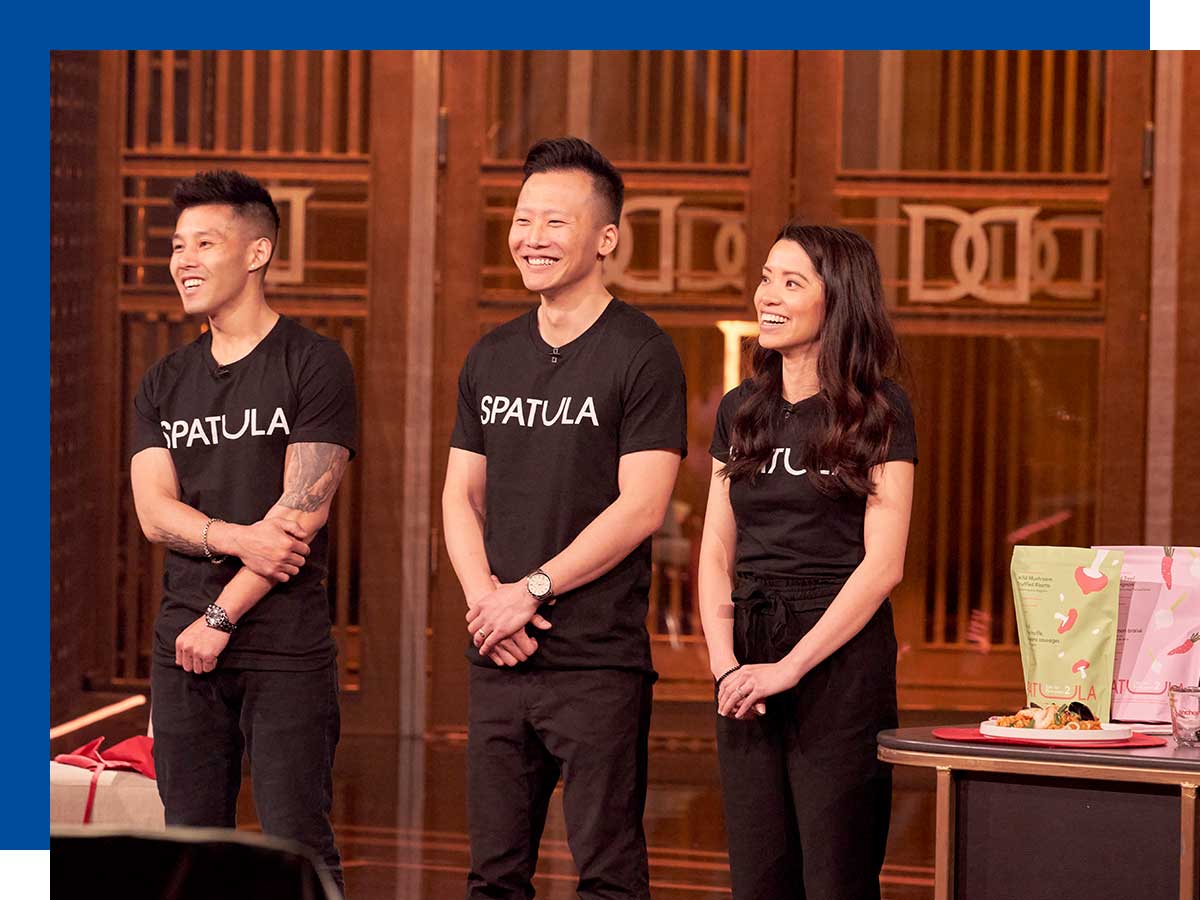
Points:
(133, 754)
(973, 734)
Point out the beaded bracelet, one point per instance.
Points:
(728, 673)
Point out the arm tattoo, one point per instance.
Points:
(311, 474)
(180, 544)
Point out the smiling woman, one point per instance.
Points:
(796, 563)
(790, 300)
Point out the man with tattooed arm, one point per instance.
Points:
(240, 440)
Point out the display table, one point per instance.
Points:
(1031, 822)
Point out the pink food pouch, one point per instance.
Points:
(1158, 630)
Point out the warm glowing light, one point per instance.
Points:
(98, 715)
(735, 330)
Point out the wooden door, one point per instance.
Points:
(325, 131)
(1005, 197)
(702, 139)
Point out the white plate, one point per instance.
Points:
(1107, 732)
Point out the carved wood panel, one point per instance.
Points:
(1002, 193)
(74, 548)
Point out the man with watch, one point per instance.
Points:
(570, 429)
(240, 439)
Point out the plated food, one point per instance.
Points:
(1073, 722)
(1073, 716)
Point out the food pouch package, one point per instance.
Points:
(1158, 627)
(1066, 604)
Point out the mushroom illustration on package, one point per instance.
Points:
(1158, 624)
(1089, 578)
(1067, 620)
(1066, 605)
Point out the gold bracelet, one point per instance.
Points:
(215, 560)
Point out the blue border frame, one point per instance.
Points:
(24, 671)
(625, 24)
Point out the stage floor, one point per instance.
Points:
(403, 836)
(400, 816)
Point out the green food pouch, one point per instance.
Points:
(1066, 604)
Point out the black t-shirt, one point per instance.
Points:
(553, 424)
(228, 429)
(785, 526)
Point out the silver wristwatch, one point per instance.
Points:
(538, 584)
(215, 617)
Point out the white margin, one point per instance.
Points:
(25, 873)
(1174, 24)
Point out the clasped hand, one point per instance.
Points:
(742, 693)
(273, 548)
(497, 620)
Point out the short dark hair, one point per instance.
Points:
(249, 199)
(572, 153)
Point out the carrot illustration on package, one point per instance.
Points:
(1158, 628)
(1186, 645)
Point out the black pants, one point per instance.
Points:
(807, 802)
(288, 725)
(525, 728)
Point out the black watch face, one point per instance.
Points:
(539, 584)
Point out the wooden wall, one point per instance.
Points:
(74, 543)
(1186, 481)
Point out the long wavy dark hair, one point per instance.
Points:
(858, 350)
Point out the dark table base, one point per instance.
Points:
(1027, 837)
(1016, 823)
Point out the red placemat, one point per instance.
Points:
(972, 733)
